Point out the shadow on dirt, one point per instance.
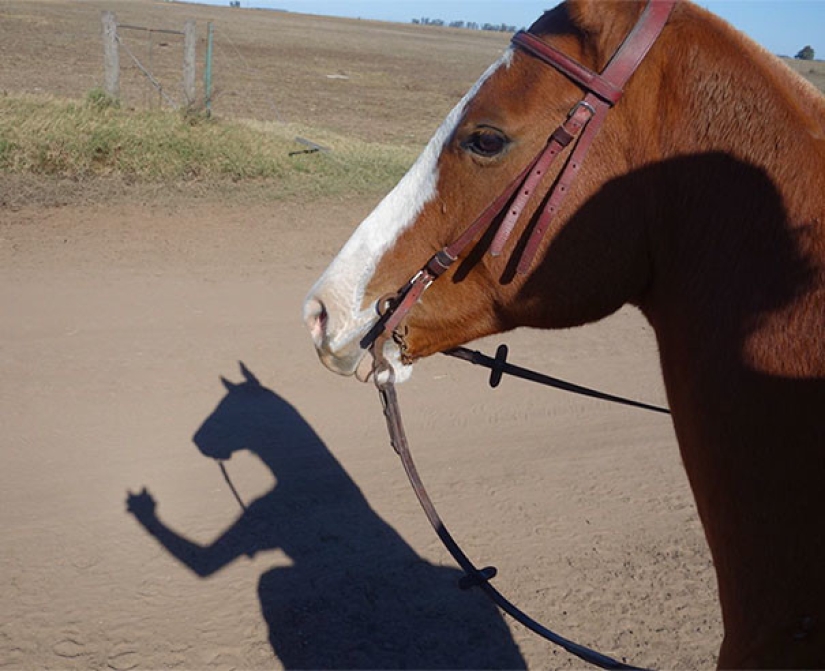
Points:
(357, 596)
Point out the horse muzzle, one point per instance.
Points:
(339, 345)
(338, 348)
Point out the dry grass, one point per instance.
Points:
(813, 71)
(67, 139)
(391, 86)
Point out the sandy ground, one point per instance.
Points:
(118, 323)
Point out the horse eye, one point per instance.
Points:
(486, 143)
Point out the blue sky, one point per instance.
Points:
(782, 26)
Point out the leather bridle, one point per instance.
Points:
(580, 128)
(583, 122)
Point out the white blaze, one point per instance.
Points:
(342, 286)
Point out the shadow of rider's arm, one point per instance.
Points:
(204, 560)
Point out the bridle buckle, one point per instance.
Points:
(421, 273)
(582, 103)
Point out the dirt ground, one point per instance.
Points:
(118, 324)
(146, 336)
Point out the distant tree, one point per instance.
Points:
(806, 54)
(469, 25)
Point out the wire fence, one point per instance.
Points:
(58, 50)
(151, 71)
(159, 52)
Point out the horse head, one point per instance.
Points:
(482, 147)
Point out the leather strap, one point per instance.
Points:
(584, 77)
(610, 84)
(603, 91)
(577, 119)
(473, 576)
(581, 127)
(564, 181)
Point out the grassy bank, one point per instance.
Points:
(87, 140)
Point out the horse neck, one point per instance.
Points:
(738, 254)
(746, 138)
(729, 94)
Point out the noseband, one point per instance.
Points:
(580, 128)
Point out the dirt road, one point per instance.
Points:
(118, 323)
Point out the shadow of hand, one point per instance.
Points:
(141, 505)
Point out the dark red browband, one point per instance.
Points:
(580, 129)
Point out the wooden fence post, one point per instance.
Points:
(189, 41)
(111, 57)
(207, 73)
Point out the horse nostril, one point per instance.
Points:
(316, 318)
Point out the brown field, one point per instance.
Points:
(400, 80)
(120, 316)
(813, 71)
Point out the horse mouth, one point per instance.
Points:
(340, 343)
(358, 362)
(346, 364)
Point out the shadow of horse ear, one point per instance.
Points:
(356, 595)
(248, 375)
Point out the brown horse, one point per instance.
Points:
(702, 202)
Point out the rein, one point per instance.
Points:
(473, 576)
(499, 366)
(579, 129)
